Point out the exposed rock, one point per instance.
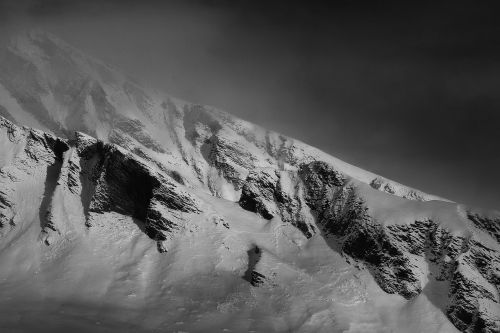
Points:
(127, 186)
(258, 193)
(103, 178)
(251, 275)
(271, 193)
(393, 188)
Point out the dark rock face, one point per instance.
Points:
(258, 193)
(251, 275)
(265, 192)
(123, 186)
(271, 193)
(128, 187)
(105, 178)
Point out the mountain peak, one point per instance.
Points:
(46, 83)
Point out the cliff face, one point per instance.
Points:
(96, 177)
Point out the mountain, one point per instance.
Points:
(47, 84)
(130, 210)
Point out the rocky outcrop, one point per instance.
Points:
(27, 154)
(384, 185)
(123, 184)
(251, 275)
(258, 193)
(272, 193)
(474, 287)
(101, 177)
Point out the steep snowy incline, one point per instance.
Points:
(130, 207)
(410, 247)
(93, 238)
(107, 241)
(47, 84)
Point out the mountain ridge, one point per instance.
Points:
(163, 197)
(106, 104)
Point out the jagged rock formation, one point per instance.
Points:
(125, 185)
(274, 193)
(251, 275)
(104, 177)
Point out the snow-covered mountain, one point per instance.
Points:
(130, 210)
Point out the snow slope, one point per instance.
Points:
(91, 266)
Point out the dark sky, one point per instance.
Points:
(411, 92)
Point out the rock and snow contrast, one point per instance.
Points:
(123, 209)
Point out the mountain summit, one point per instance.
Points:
(129, 210)
(49, 85)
